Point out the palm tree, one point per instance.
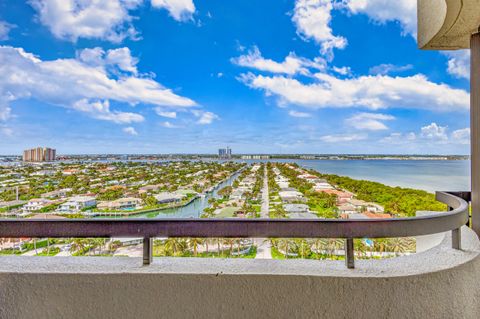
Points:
(78, 244)
(194, 242)
(239, 246)
(335, 244)
(303, 247)
(218, 246)
(283, 245)
(175, 245)
(230, 242)
(400, 245)
(206, 245)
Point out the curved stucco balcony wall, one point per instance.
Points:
(439, 283)
(447, 24)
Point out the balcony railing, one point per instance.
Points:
(349, 229)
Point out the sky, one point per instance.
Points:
(192, 76)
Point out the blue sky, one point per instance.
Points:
(183, 76)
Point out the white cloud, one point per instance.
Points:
(205, 117)
(180, 10)
(74, 84)
(299, 114)
(6, 131)
(123, 59)
(369, 121)
(373, 92)
(92, 19)
(120, 58)
(100, 110)
(168, 124)
(399, 138)
(312, 20)
(382, 11)
(169, 114)
(434, 132)
(291, 65)
(384, 69)
(130, 130)
(5, 28)
(108, 20)
(342, 138)
(411, 136)
(345, 70)
(5, 111)
(458, 63)
(461, 136)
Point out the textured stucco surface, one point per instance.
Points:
(438, 283)
(447, 24)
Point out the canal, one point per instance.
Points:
(193, 209)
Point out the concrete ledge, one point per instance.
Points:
(438, 283)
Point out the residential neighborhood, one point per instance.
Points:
(205, 189)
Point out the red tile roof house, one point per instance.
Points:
(342, 196)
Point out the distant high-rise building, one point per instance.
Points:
(225, 153)
(39, 154)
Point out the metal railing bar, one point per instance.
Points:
(274, 228)
(147, 250)
(349, 253)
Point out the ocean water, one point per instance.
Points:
(429, 175)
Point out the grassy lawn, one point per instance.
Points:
(228, 212)
(53, 252)
(10, 252)
(276, 254)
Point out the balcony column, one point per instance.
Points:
(475, 128)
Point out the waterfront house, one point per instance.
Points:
(36, 204)
(121, 204)
(77, 203)
(167, 197)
